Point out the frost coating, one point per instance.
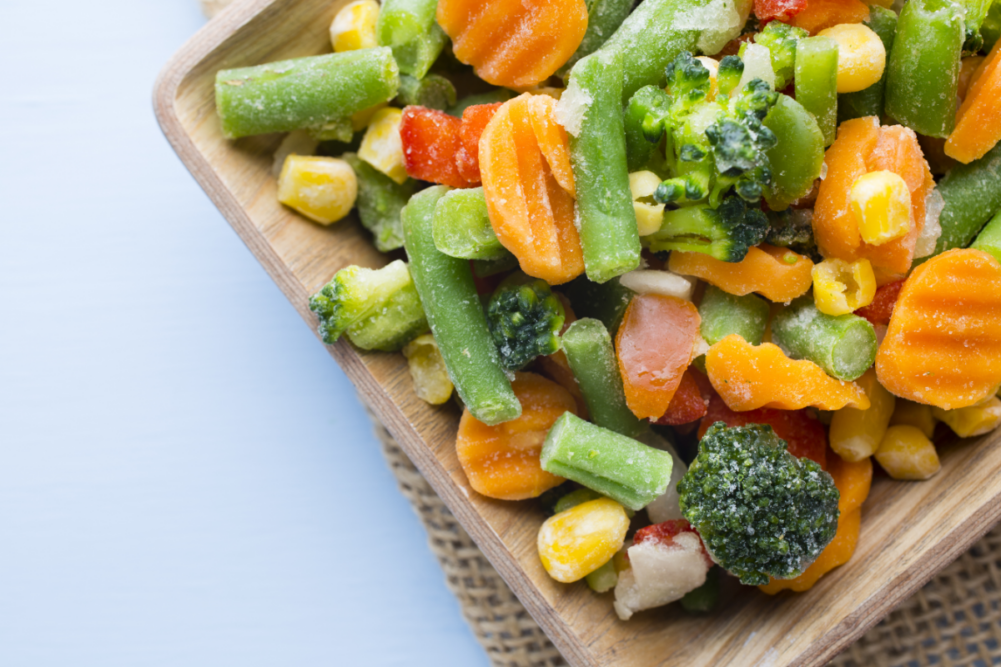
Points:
(572, 108)
(660, 574)
(757, 65)
(932, 230)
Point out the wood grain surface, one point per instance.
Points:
(909, 530)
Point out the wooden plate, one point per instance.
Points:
(909, 530)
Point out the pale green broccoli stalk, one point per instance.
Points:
(780, 39)
(525, 319)
(726, 233)
(731, 70)
(761, 511)
(379, 310)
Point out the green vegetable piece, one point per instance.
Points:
(724, 314)
(817, 82)
(339, 129)
(869, 102)
(462, 226)
(604, 578)
(989, 239)
(409, 27)
(589, 350)
(726, 233)
(990, 30)
(761, 511)
(492, 97)
(843, 345)
(621, 468)
(731, 71)
(574, 498)
(456, 316)
(922, 70)
(798, 154)
(525, 319)
(704, 598)
(380, 200)
(603, 18)
(643, 123)
(484, 268)
(793, 229)
(379, 310)
(606, 219)
(433, 92)
(780, 39)
(975, 13)
(606, 302)
(972, 195)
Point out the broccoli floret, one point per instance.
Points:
(780, 39)
(525, 319)
(793, 229)
(761, 511)
(645, 120)
(731, 69)
(725, 233)
(379, 310)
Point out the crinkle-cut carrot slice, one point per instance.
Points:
(687, 405)
(474, 120)
(777, 274)
(822, 14)
(654, 346)
(430, 139)
(553, 141)
(978, 122)
(748, 377)
(943, 345)
(531, 214)
(514, 43)
(502, 461)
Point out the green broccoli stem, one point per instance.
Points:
(704, 598)
(606, 218)
(456, 316)
(589, 350)
(409, 27)
(641, 148)
(724, 314)
(989, 239)
(922, 70)
(612, 464)
(817, 82)
(798, 154)
(843, 345)
(605, 302)
(304, 92)
(433, 92)
(380, 200)
(869, 102)
(603, 18)
(462, 226)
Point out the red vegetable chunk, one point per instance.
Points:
(688, 403)
(467, 158)
(664, 533)
(881, 308)
(430, 140)
(777, 10)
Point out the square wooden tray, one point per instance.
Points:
(909, 530)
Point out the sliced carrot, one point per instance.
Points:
(514, 43)
(821, 14)
(502, 461)
(777, 274)
(654, 346)
(474, 120)
(553, 141)
(531, 214)
(687, 405)
(748, 377)
(943, 345)
(978, 122)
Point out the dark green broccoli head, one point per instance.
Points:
(525, 319)
(731, 69)
(761, 511)
(740, 143)
(793, 229)
(726, 233)
(688, 81)
(780, 39)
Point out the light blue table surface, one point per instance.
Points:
(186, 476)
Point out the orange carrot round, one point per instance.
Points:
(777, 274)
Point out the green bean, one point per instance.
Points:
(798, 154)
(304, 92)
(605, 215)
(922, 70)
(455, 314)
(409, 27)
(869, 102)
(972, 195)
(989, 239)
(817, 82)
(462, 226)
(724, 314)
(433, 92)
(380, 200)
(592, 359)
(603, 18)
(484, 268)
(844, 346)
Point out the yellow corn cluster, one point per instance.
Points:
(575, 543)
(323, 189)
(427, 368)
(649, 214)
(841, 287)
(362, 119)
(974, 420)
(856, 434)
(861, 56)
(354, 26)
(381, 146)
(882, 205)
(905, 453)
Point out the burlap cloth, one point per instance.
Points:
(954, 621)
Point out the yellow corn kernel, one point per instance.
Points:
(575, 543)
(381, 146)
(713, 66)
(909, 413)
(906, 453)
(427, 368)
(323, 189)
(841, 287)
(856, 434)
(881, 202)
(362, 119)
(861, 56)
(974, 420)
(354, 26)
(649, 214)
